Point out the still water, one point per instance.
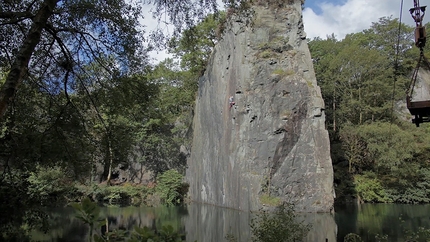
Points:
(208, 223)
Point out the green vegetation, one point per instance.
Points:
(266, 54)
(283, 73)
(352, 238)
(89, 103)
(89, 213)
(279, 226)
(269, 200)
(86, 100)
(124, 194)
(378, 156)
(170, 187)
(421, 235)
(50, 188)
(276, 45)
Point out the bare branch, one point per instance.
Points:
(16, 15)
(31, 5)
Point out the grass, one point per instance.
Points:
(266, 54)
(283, 73)
(269, 200)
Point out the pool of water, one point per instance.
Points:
(397, 221)
(204, 223)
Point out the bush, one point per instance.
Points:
(20, 212)
(114, 195)
(48, 184)
(170, 187)
(125, 194)
(51, 184)
(351, 237)
(280, 226)
(370, 189)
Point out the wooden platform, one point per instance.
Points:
(421, 111)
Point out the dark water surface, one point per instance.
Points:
(397, 221)
(208, 223)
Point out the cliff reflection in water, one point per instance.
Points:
(209, 223)
(200, 222)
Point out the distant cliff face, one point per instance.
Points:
(272, 142)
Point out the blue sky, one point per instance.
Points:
(313, 4)
(341, 17)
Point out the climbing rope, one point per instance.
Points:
(396, 63)
(410, 91)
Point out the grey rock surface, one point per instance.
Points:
(272, 142)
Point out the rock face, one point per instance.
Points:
(271, 145)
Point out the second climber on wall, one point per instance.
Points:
(231, 101)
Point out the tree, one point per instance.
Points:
(59, 37)
(183, 14)
(323, 53)
(376, 155)
(186, 14)
(358, 73)
(196, 43)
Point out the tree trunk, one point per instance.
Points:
(361, 106)
(110, 161)
(20, 64)
(334, 107)
(107, 226)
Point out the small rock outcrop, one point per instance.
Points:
(270, 144)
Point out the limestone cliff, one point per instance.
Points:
(273, 140)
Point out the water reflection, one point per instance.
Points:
(396, 221)
(324, 227)
(208, 223)
(198, 221)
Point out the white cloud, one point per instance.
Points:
(151, 24)
(351, 17)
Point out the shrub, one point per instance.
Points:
(89, 213)
(125, 194)
(266, 54)
(370, 189)
(48, 184)
(114, 195)
(351, 237)
(282, 226)
(170, 187)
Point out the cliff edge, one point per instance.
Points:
(270, 144)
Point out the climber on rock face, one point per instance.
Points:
(231, 101)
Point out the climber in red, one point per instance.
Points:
(231, 101)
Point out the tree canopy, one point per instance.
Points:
(49, 42)
(80, 99)
(377, 154)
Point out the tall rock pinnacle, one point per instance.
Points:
(268, 143)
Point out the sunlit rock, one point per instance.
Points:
(271, 146)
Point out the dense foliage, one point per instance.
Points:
(78, 98)
(84, 101)
(281, 225)
(378, 155)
